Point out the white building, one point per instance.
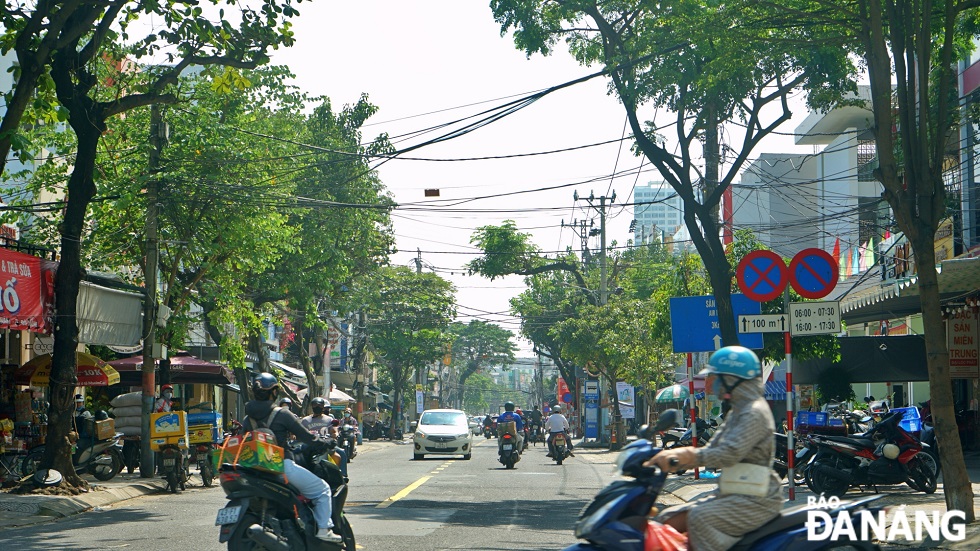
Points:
(658, 211)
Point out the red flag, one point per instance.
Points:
(887, 234)
(836, 253)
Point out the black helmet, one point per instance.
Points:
(265, 386)
(318, 402)
(509, 406)
(285, 402)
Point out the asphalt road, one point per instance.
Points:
(395, 503)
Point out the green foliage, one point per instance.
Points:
(506, 251)
(834, 384)
(478, 345)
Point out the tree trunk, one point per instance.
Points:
(956, 482)
(81, 189)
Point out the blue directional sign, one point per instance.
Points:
(694, 323)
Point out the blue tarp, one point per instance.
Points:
(775, 390)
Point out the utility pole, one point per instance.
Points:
(583, 229)
(603, 291)
(158, 136)
(418, 262)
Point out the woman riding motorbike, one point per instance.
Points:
(743, 448)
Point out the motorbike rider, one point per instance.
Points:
(487, 422)
(743, 446)
(349, 419)
(507, 416)
(555, 425)
(536, 417)
(323, 425)
(166, 400)
(262, 413)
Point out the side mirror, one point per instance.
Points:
(414, 424)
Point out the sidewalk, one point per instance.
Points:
(685, 488)
(25, 510)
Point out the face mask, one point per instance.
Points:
(346, 415)
(167, 395)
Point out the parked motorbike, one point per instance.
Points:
(347, 439)
(174, 467)
(560, 452)
(803, 455)
(264, 512)
(886, 455)
(617, 518)
(509, 453)
(102, 458)
(205, 466)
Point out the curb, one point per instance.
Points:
(27, 510)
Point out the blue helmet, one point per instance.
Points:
(736, 361)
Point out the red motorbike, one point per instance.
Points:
(885, 455)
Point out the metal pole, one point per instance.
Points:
(790, 447)
(150, 308)
(694, 415)
(603, 291)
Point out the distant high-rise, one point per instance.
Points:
(658, 211)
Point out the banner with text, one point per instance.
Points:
(20, 291)
(962, 333)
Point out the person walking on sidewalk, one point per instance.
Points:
(743, 448)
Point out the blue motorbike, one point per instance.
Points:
(616, 519)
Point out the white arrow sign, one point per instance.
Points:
(763, 323)
(717, 340)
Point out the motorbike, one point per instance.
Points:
(174, 467)
(102, 458)
(560, 448)
(509, 453)
(205, 466)
(885, 455)
(535, 434)
(348, 440)
(487, 432)
(617, 518)
(264, 512)
(803, 455)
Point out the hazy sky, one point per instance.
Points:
(421, 63)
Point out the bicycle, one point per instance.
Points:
(10, 466)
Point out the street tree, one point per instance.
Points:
(71, 43)
(478, 345)
(708, 67)
(410, 314)
(911, 51)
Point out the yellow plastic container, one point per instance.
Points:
(172, 423)
(201, 434)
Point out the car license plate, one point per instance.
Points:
(168, 462)
(228, 515)
(440, 445)
(508, 447)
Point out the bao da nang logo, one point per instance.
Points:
(896, 525)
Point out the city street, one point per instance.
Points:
(452, 504)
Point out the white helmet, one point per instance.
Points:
(556, 409)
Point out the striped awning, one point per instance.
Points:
(775, 390)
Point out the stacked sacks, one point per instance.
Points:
(128, 411)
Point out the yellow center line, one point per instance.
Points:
(407, 490)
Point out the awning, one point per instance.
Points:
(291, 374)
(109, 316)
(775, 390)
(184, 369)
(865, 298)
(880, 359)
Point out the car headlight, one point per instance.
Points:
(464, 435)
(420, 434)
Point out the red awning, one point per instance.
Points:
(184, 369)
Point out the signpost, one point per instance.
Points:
(763, 323)
(814, 318)
(591, 396)
(761, 275)
(694, 323)
(813, 273)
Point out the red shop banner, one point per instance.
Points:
(21, 307)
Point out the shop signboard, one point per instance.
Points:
(591, 396)
(20, 292)
(962, 334)
(626, 394)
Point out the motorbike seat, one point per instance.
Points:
(793, 517)
(853, 440)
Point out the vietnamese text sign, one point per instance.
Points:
(419, 401)
(20, 291)
(814, 318)
(694, 325)
(962, 333)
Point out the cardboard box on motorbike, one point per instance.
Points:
(509, 427)
(254, 450)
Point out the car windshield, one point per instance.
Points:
(443, 418)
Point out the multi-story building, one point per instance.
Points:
(658, 212)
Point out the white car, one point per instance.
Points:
(443, 432)
(476, 425)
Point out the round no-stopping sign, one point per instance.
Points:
(761, 275)
(813, 273)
